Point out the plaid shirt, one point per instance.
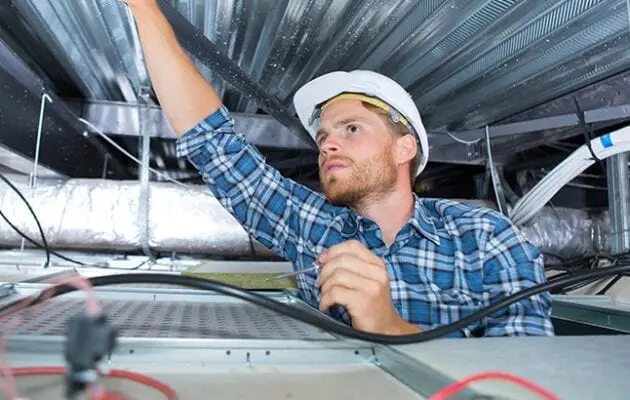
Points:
(448, 261)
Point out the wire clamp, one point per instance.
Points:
(7, 289)
(89, 339)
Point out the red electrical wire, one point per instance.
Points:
(455, 387)
(93, 307)
(163, 388)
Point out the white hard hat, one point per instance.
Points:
(310, 97)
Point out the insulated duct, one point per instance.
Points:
(103, 215)
(568, 233)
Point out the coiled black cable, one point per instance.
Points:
(319, 320)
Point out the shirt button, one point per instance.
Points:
(350, 228)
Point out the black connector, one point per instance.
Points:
(89, 339)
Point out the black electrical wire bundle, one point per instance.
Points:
(319, 320)
(589, 263)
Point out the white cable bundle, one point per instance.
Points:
(603, 147)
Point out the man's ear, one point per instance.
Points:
(406, 149)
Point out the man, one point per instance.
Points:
(389, 261)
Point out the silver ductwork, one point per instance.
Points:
(569, 233)
(104, 215)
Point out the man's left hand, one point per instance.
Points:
(354, 277)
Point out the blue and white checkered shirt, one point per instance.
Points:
(448, 261)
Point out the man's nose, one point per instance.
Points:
(330, 145)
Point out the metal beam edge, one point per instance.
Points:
(117, 118)
(419, 377)
(592, 314)
(64, 146)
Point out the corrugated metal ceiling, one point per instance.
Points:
(467, 63)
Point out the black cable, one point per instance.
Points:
(29, 239)
(39, 226)
(571, 288)
(41, 232)
(314, 319)
(584, 264)
(609, 285)
(28, 205)
(588, 136)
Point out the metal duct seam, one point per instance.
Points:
(102, 214)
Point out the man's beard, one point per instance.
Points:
(360, 183)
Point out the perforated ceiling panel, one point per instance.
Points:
(174, 320)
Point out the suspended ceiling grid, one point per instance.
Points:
(466, 63)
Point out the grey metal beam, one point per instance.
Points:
(511, 138)
(608, 114)
(603, 101)
(534, 125)
(420, 377)
(117, 118)
(605, 95)
(195, 43)
(16, 163)
(505, 148)
(263, 130)
(124, 119)
(19, 36)
(619, 202)
(517, 128)
(63, 148)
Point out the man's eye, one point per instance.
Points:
(353, 129)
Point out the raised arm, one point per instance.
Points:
(184, 94)
(275, 210)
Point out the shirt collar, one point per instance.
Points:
(423, 222)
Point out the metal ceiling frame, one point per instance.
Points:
(281, 129)
(121, 119)
(118, 118)
(65, 149)
(40, 58)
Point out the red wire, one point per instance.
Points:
(166, 390)
(93, 307)
(455, 387)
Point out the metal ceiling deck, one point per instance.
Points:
(466, 63)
